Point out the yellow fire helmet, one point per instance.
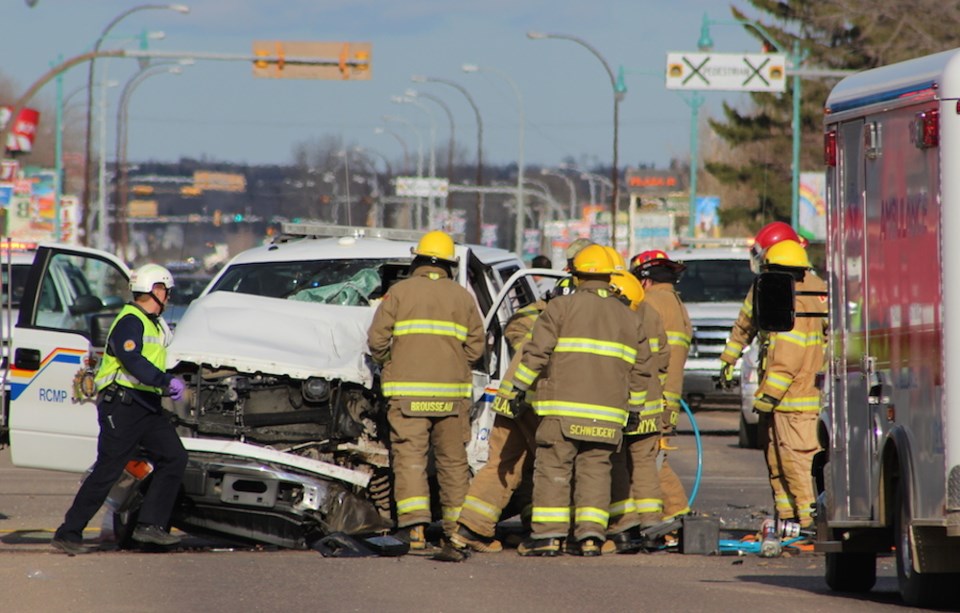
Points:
(593, 260)
(629, 287)
(619, 264)
(437, 245)
(787, 253)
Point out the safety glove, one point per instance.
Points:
(725, 380)
(764, 404)
(665, 444)
(175, 388)
(633, 422)
(510, 403)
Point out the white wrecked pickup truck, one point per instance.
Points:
(283, 419)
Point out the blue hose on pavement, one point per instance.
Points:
(735, 546)
(696, 435)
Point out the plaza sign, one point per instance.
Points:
(745, 72)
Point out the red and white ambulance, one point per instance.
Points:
(890, 428)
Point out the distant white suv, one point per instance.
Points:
(713, 288)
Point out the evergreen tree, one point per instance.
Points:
(833, 34)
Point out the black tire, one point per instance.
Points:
(851, 572)
(926, 590)
(749, 438)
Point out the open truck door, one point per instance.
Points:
(71, 297)
(487, 381)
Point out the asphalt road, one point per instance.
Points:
(202, 576)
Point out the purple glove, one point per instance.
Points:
(175, 388)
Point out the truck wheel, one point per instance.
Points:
(851, 572)
(917, 589)
(748, 434)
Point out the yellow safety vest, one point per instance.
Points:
(154, 350)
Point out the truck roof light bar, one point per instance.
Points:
(314, 229)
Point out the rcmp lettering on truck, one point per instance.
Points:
(52, 395)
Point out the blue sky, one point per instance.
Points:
(218, 110)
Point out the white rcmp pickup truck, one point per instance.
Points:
(283, 419)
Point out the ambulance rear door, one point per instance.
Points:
(70, 299)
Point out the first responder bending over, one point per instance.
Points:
(659, 276)
(130, 383)
(592, 366)
(509, 465)
(427, 332)
(787, 397)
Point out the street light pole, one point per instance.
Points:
(87, 166)
(418, 94)
(695, 101)
(619, 92)
(433, 147)
(403, 145)
(120, 205)
(476, 112)
(518, 238)
(417, 224)
(570, 185)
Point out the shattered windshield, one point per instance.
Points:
(344, 282)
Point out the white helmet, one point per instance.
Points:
(144, 278)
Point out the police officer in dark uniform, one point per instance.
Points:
(130, 382)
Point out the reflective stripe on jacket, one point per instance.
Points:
(427, 332)
(154, 351)
(592, 358)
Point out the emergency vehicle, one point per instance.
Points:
(890, 428)
(283, 420)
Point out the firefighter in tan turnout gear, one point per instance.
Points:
(592, 363)
(635, 497)
(509, 467)
(787, 397)
(744, 330)
(659, 276)
(427, 332)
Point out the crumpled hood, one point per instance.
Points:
(272, 336)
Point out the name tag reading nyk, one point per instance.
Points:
(431, 407)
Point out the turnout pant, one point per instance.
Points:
(411, 439)
(623, 509)
(124, 429)
(508, 469)
(558, 459)
(675, 500)
(790, 441)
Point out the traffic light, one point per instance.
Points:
(217, 218)
(238, 217)
(311, 60)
